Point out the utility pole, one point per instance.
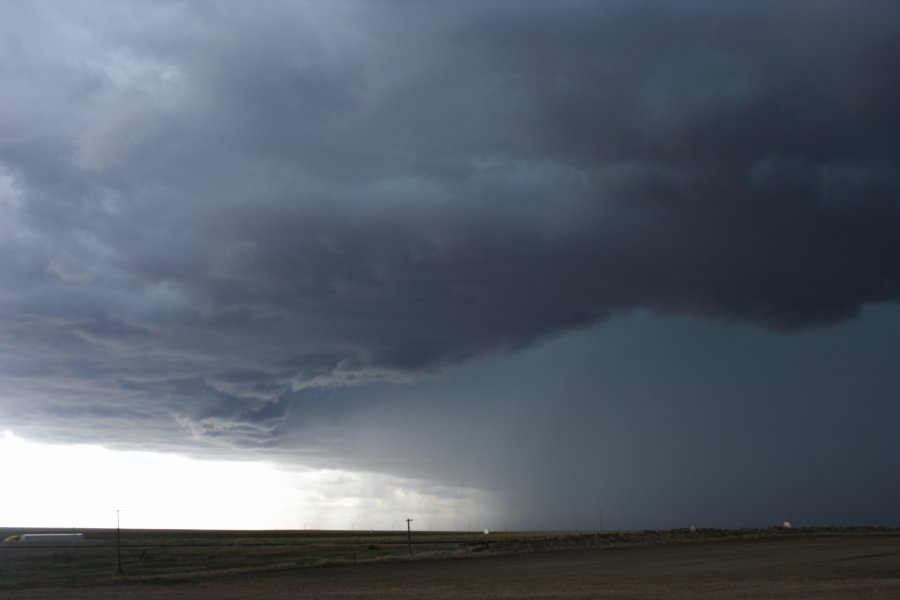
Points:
(409, 536)
(601, 518)
(119, 540)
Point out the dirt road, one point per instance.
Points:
(822, 568)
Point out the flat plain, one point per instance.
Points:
(636, 565)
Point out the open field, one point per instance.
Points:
(161, 553)
(743, 564)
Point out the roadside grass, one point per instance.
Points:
(158, 555)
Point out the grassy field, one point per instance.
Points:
(156, 555)
(163, 553)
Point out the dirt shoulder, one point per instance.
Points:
(813, 567)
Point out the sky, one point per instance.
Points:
(521, 265)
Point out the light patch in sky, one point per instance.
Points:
(83, 485)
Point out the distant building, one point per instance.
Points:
(51, 537)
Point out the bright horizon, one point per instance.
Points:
(81, 486)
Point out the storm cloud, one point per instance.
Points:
(213, 215)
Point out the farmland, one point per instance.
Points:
(344, 564)
(167, 553)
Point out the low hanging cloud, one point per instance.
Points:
(207, 209)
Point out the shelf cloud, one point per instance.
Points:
(212, 214)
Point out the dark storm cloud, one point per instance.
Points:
(209, 210)
(664, 421)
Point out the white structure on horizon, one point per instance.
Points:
(51, 537)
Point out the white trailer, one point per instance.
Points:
(51, 537)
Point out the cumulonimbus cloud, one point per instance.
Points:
(206, 208)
